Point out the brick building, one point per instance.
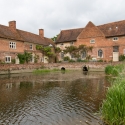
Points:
(108, 40)
(14, 41)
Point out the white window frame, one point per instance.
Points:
(92, 41)
(32, 59)
(115, 38)
(31, 46)
(12, 45)
(8, 59)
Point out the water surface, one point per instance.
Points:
(61, 98)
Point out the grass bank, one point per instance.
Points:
(45, 70)
(113, 107)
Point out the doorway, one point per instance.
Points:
(115, 53)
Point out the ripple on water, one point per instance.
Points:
(52, 103)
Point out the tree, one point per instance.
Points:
(77, 51)
(57, 51)
(47, 51)
(54, 38)
(73, 50)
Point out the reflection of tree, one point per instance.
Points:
(38, 92)
(26, 85)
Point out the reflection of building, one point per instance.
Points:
(108, 40)
(14, 41)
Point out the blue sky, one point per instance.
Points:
(56, 15)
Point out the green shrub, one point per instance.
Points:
(66, 58)
(121, 57)
(108, 69)
(71, 60)
(79, 60)
(119, 67)
(100, 60)
(114, 72)
(113, 107)
(13, 61)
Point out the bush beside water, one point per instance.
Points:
(114, 70)
(113, 107)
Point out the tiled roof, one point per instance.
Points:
(113, 29)
(90, 31)
(6, 32)
(106, 30)
(68, 35)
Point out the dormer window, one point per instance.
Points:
(31, 47)
(115, 39)
(61, 44)
(110, 28)
(92, 41)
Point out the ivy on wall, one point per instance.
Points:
(24, 58)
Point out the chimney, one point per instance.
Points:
(41, 32)
(12, 25)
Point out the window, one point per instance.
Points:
(100, 53)
(115, 48)
(31, 47)
(92, 41)
(8, 59)
(71, 43)
(61, 44)
(12, 45)
(115, 39)
(72, 55)
(62, 55)
(84, 55)
(110, 28)
(124, 51)
(32, 59)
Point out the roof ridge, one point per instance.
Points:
(72, 29)
(111, 23)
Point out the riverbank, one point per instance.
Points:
(26, 68)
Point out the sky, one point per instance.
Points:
(56, 15)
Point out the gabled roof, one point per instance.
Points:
(68, 35)
(107, 30)
(90, 31)
(20, 35)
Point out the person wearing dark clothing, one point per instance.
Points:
(85, 68)
(63, 68)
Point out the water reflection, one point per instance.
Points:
(51, 99)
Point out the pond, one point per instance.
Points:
(58, 98)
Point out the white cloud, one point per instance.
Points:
(54, 15)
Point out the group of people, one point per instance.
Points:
(84, 68)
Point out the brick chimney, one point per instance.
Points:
(41, 32)
(12, 25)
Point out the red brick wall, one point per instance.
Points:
(4, 46)
(106, 44)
